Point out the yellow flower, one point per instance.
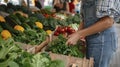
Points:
(2, 19)
(19, 28)
(6, 34)
(38, 24)
(49, 32)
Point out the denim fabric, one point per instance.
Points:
(101, 45)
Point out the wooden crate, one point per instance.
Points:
(70, 61)
(73, 61)
(33, 48)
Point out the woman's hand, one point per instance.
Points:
(73, 38)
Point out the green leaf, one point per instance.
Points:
(10, 59)
(7, 46)
(40, 61)
(1, 28)
(13, 64)
(5, 63)
(57, 63)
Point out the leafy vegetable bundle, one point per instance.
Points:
(12, 56)
(30, 36)
(58, 46)
(24, 30)
(37, 60)
(8, 52)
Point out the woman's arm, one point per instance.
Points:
(101, 25)
(81, 26)
(67, 6)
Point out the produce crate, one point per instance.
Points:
(73, 61)
(70, 61)
(33, 49)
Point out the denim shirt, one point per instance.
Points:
(100, 46)
(101, 8)
(89, 14)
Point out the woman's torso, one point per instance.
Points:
(89, 18)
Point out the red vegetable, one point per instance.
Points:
(62, 30)
(58, 29)
(65, 28)
(69, 29)
(56, 33)
(72, 31)
(46, 15)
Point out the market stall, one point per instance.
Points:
(37, 38)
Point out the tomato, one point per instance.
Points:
(62, 30)
(65, 28)
(58, 29)
(69, 29)
(72, 31)
(46, 15)
(56, 33)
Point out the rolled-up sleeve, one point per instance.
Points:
(108, 8)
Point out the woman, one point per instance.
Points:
(38, 4)
(71, 7)
(60, 5)
(98, 29)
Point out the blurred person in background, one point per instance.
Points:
(23, 3)
(60, 5)
(38, 4)
(71, 6)
(42, 2)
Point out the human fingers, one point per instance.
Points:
(70, 42)
(67, 42)
(82, 40)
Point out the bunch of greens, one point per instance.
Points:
(8, 52)
(13, 56)
(58, 46)
(51, 23)
(37, 60)
(31, 36)
(74, 19)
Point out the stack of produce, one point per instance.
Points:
(24, 29)
(49, 19)
(32, 28)
(13, 56)
(65, 30)
(59, 46)
(10, 8)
